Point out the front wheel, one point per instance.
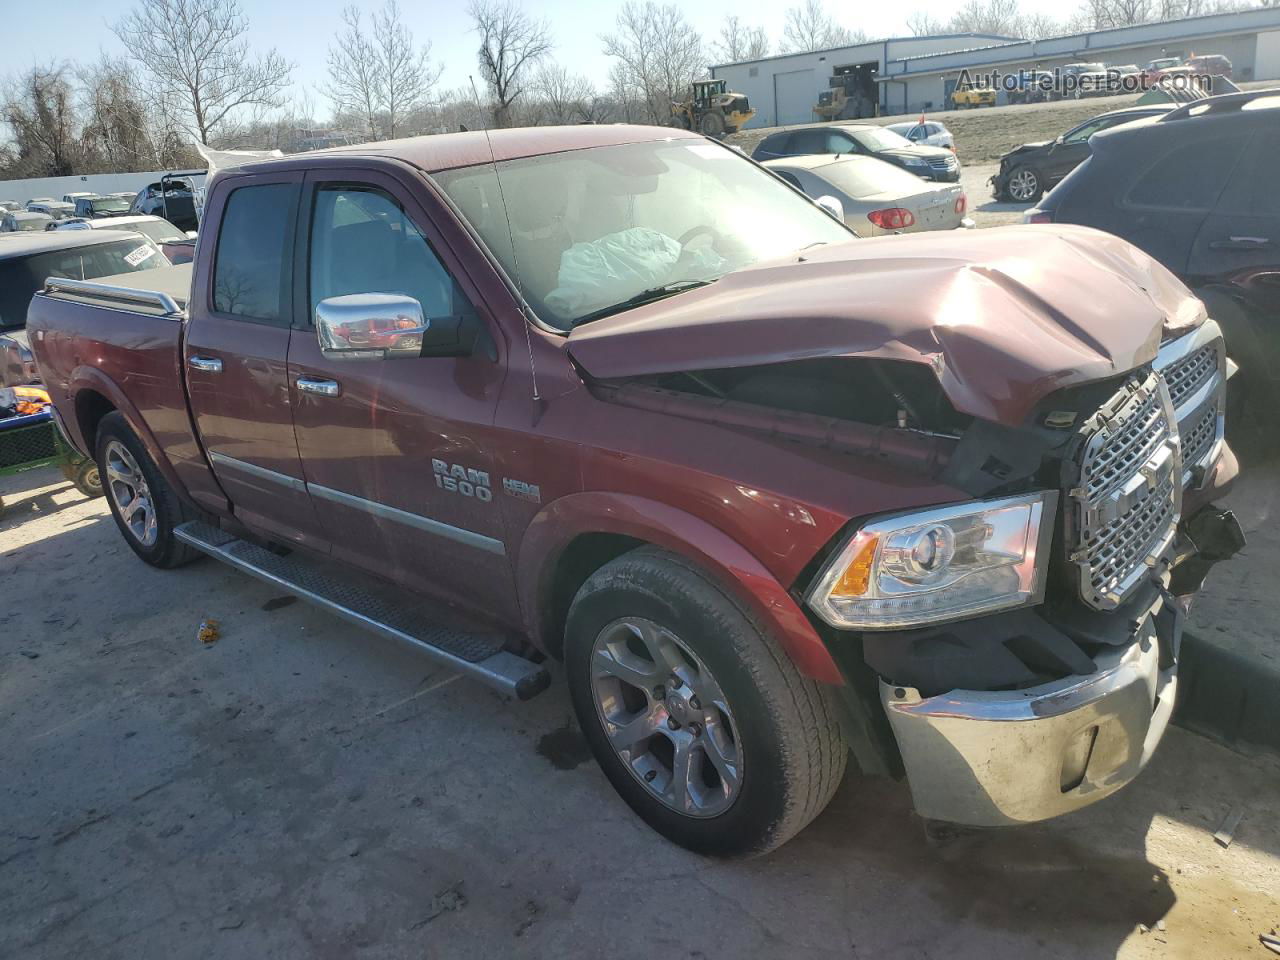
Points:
(1024, 185)
(699, 720)
(711, 124)
(144, 506)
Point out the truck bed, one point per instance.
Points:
(164, 290)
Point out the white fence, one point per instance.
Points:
(56, 187)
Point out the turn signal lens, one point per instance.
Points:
(857, 576)
(892, 218)
(962, 204)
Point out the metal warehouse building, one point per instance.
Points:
(911, 74)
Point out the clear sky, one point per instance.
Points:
(301, 30)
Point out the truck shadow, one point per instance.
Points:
(35, 494)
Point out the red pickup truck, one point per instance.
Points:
(618, 396)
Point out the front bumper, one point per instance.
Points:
(1010, 757)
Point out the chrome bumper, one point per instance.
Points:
(999, 759)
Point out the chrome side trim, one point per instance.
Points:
(262, 473)
(448, 531)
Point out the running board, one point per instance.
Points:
(477, 655)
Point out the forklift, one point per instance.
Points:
(713, 110)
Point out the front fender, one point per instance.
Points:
(560, 522)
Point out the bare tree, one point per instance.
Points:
(561, 96)
(739, 42)
(810, 27)
(117, 133)
(406, 74)
(659, 55)
(924, 24)
(510, 43)
(197, 54)
(991, 16)
(1037, 26)
(353, 73)
(40, 108)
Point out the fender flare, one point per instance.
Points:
(651, 521)
(91, 378)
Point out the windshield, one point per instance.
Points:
(109, 205)
(876, 139)
(20, 277)
(28, 224)
(592, 230)
(864, 177)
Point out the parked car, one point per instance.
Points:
(1032, 86)
(1118, 79)
(864, 139)
(27, 259)
(178, 246)
(1196, 189)
(54, 209)
(625, 398)
(73, 197)
(40, 200)
(1153, 68)
(928, 133)
(1080, 80)
(94, 206)
(1210, 64)
(9, 206)
(172, 200)
(1026, 172)
(21, 221)
(876, 197)
(971, 96)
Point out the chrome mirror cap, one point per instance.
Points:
(370, 326)
(832, 205)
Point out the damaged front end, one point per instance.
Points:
(1014, 654)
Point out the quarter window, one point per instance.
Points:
(1189, 177)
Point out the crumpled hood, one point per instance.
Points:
(1004, 316)
(1027, 148)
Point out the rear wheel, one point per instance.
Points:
(701, 723)
(1024, 185)
(145, 507)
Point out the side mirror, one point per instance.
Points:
(191, 234)
(832, 206)
(370, 326)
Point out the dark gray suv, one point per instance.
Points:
(1197, 189)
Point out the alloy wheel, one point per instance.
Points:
(133, 499)
(666, 717)
(1023, 184)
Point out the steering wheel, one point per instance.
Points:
(693, 233)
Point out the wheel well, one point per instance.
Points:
(583, 556)
(91, 407)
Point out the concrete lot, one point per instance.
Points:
(299, 789)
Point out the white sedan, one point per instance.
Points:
(928, 132)
(875, 197)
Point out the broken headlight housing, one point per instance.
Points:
(945, 563)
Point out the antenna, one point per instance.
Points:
(515, 261)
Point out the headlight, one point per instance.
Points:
(942, 564)
(913, 162)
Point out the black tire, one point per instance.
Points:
(711, 124)
(166, 551)
(792, 756)
(88, 479)
(1035, 184)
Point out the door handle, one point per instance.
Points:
(321, 388)
(1240, 243)
(205, 364)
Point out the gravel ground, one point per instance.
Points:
(299, 789)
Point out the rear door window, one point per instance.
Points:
(1252, 191)
(254, 252)
(1190, 176)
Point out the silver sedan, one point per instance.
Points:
(875, 197)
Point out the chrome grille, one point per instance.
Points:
(1125, 508)
(941, 163)
(1189, 374)
(1198, 438)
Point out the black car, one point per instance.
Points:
(1196, 190)
(1029, 170)
(867, 139)
(93, 208)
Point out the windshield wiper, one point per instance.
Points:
(643, 297)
